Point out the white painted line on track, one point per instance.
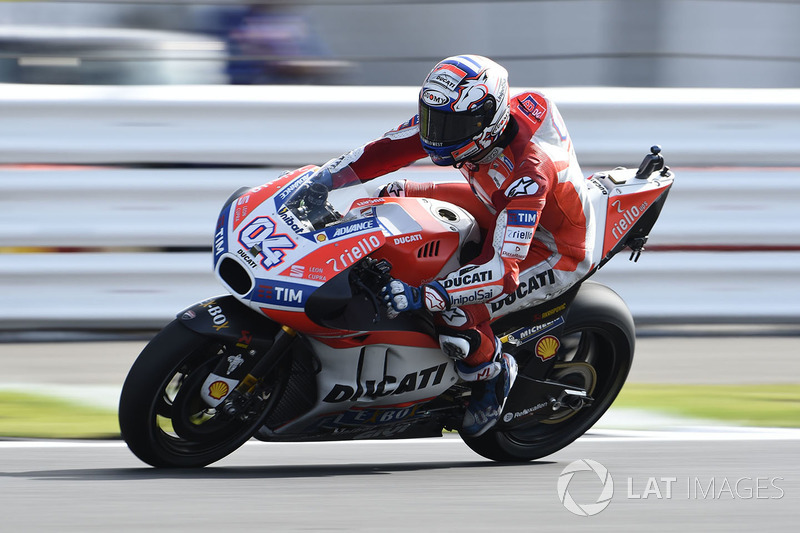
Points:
(692, 434)
(689, 434)
(33, 444)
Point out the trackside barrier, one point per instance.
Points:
(129, 209)
(178, 207)
(146, 290)
(290, 125)
(284, 127)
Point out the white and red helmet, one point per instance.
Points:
(463, 108)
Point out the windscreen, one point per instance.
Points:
(320, 201)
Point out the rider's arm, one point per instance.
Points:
(396, 149)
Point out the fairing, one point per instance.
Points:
(276, 245)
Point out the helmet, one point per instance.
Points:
(463, 108)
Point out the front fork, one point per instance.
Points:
(233, 384)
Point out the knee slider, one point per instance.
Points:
(454, 347)
(459, 344)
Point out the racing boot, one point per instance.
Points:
(491, 383)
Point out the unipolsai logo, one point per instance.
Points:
(601, 483)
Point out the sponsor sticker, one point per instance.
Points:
(506, 162)
(522, 187)
(322, 264)
(523, 335)
(434, 98)
(532, 108)
(547, 347)
(221, 236)
(518, 233)
(448, 76)
(466, 151)
(361, 417)
(533, 282)
(261, 232)
(522, 217)
(218, 390)
(342, 230)
(281, 293)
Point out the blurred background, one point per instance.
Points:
(146, 115)
(630, 43)
(124, 127)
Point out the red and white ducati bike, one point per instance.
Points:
(302, 350)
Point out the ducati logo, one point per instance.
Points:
(389, 385)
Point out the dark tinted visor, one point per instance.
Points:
(440, 128)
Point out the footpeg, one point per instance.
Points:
(573, 399)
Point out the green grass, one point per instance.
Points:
(746, 405)
(38, 416)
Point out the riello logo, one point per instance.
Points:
(629, 216)
(624, 212)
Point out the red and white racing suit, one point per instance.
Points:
(531, 200)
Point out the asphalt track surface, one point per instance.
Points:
(711, 479)
(715, 481)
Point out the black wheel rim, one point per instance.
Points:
(181, 422)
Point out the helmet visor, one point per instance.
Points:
(441, 128)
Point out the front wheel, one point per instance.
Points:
(596, 354)
(162, 416)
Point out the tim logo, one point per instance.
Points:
(261, 233)
(521, 217)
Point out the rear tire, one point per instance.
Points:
(162, 417)
(596, 353)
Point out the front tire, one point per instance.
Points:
(596, 353)
(162, 417)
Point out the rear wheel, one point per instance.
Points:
(162, 416)
(596, 354)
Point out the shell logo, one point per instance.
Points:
(547, 347)
(218, 390)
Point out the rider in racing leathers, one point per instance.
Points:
(525, 189)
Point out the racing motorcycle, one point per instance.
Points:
(302, 349)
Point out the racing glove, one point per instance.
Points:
(401, 297)
(314, 192)
(393, 189)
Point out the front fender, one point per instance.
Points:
(224, 317)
